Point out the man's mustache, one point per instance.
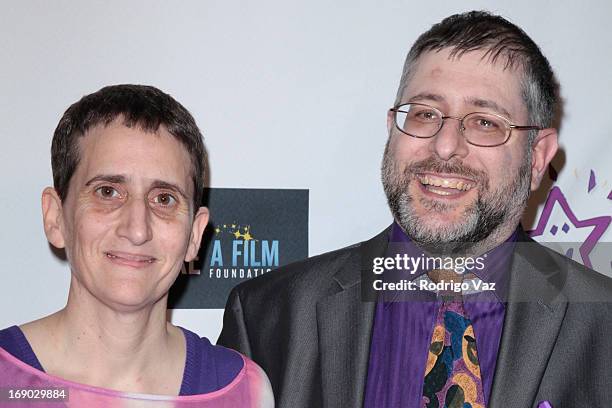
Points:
(434, 165)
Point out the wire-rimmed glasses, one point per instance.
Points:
(479, 128)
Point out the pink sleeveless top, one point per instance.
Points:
(247, 390)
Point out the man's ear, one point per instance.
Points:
(197, 229)
(543, 150)
(52, 217)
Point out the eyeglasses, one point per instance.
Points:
(478, 128)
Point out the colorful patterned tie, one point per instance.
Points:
(452, 373)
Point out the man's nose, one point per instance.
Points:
(449, 141)
(135, 224)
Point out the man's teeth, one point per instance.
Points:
(446, 183)
(434, 190)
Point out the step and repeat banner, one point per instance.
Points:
(292, 99)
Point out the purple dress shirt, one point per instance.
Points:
(402, 330)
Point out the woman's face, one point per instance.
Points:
(127, 222)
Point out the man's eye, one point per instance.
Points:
(487, 123)
(165, 199)
(426, 115)
(107, 192)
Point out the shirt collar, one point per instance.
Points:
(496, 261)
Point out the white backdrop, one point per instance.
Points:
(288, 94)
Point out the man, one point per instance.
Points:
(470, 135)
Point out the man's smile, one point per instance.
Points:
(444, 185)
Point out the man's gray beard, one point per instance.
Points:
(492, 210)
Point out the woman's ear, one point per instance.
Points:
(197, 229)
(52, 217)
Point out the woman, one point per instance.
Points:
(128, 170)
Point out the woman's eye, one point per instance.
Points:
(165, 199)
(107, 192)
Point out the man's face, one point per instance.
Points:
(127, 222)
(443, 190)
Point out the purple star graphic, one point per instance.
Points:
(592, 182)
(599, 224)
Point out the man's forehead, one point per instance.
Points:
(484, 82)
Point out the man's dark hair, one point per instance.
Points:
(480, 30)
(135, 105)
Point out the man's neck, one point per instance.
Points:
(472, 249)
(495, 239)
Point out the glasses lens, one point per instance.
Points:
(418, 120)
(484, 129)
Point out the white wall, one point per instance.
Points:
(289, 95)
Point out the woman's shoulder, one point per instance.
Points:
(13, 340)
(208, 368)
(230, 368)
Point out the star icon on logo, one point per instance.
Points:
(599, 225)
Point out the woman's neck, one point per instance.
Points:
(126, 350)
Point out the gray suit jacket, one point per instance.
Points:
(306, 325)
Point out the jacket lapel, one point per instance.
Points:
(345, 327)
(534, 314)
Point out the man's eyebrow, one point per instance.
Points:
(477, 102)
(489, 104)
(168, 186)
(426, 97)
(109, 178)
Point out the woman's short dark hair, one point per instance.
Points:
(136, 105)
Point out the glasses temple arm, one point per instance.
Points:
(517, 127)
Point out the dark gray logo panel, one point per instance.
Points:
(250, 232)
